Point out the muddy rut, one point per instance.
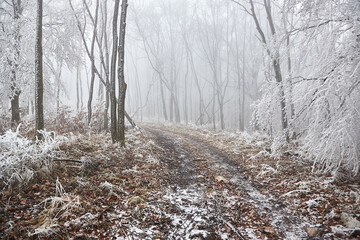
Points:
(211, 177)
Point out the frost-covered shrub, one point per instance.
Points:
(21, 159)
(266, 116)
(5, 121)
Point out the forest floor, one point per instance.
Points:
(174, 182)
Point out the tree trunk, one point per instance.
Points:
(58, 85)
(133, 124)
(92, 52)
(121, 77)
(163, 101)
(15, 106)
(213, 108)
(186, 91)
(171, 107)
(107, 104)
(107, 66)
(91, 92)
(222, 122)
(275, 57)
(77, 89)
(277, 70)
(14, 99)
(113, 74)
(39, 112)
(242, 122)
(201, 99)
(278, 77)
(177, 109)
(289, 65)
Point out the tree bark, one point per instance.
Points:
(113, 127)
(133, 124)
(106, 110)
(39, 111)
(77, 90)
(121, 77)
(107, 66)
(15, 105)
(163, 101)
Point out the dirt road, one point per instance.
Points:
(173, 182)
(211, 196)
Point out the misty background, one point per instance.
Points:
(287, 68)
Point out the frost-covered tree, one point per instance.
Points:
(316, 45)
(313, 50)
(327, 87)
(15, 62)
(61, 51)
(271, 108)
(17, 37)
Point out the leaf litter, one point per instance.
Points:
(196, 184)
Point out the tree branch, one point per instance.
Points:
(242, 6)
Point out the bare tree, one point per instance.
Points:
(94, 20)
(113, 73)
(90, 50)
(105, 44)
(39, 112)
(121, 77)
(213, 37)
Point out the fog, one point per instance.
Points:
(286, 68)
(193, 61)
(186, 61)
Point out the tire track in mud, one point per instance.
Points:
(196, 216)
(282, 219)
(188, 148)
(179, 160)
